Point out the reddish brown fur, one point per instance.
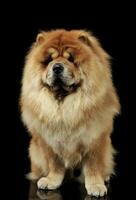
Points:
(75, 130)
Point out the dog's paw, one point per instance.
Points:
(97, 190)
(50, 183)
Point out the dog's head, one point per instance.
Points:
(67, 60)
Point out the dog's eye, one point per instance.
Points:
(71, 58)
(47, 60)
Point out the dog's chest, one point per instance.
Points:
(70, 147)
(67, 140)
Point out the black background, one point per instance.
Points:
(113, 26)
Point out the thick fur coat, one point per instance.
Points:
(69, 113)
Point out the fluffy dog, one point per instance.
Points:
(68, 103)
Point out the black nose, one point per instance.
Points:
(58, 68)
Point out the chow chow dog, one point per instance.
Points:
(68, 104)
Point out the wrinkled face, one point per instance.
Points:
(64, 58)
(61, 57)
(61, 70)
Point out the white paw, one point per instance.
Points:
(49, 183)
(97, 190)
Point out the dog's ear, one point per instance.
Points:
(85, 38)
(41, 37)
(92, 42)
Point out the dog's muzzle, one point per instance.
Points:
(58, 69)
